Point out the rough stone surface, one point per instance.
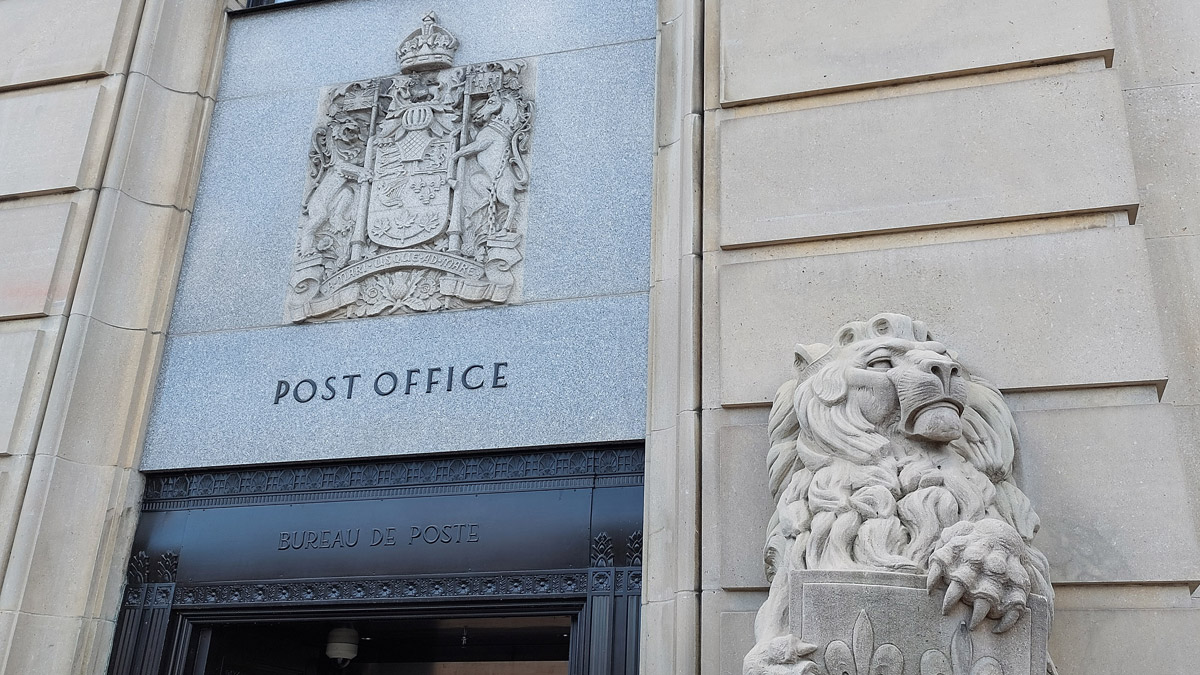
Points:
(737, 637)
(1176, 261)
(588, 224)
(28, 350)
(877, 41)
(102, 367)
(1164, 124)
(1102, 479)
(1019, 149)
(1156, 42)
(243, 238)
(30, 258)
(575, 374)
(589, 221)
(63, 534)
(742, 496)
(1010, 304)
(669, 563)
(1147, 640)
(14, 474)
(326, 44)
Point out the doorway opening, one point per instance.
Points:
(488, 645)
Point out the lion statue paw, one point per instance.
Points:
(784, 655)
(983, 564)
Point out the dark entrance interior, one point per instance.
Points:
(537, 554)
(512, 645)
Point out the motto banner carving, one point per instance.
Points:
(416, 187)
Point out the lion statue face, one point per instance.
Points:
(912, 386)
(887, 383)
(881, 441)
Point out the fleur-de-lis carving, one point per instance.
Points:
(961, 661)
(865, 658)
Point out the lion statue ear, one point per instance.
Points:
(806, 355)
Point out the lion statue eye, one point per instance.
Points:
(880, 364)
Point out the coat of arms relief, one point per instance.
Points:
(416, 187)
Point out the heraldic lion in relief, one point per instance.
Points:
(888, 455)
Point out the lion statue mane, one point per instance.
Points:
(888, 455)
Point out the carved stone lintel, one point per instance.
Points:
(416, 190)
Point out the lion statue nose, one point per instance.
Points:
(940, 367)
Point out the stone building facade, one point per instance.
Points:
(708, 184)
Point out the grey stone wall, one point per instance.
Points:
(574, 341)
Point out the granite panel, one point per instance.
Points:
(1019, 149)
(575, 373)
(242, 236)
(876, 41)
(1024, 312)
(587, 231)
(326, 43)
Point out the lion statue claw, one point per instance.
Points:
(984, 564)
(887, 454)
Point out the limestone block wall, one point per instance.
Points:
(101, 111)
(1018, 175)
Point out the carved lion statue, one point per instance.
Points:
(888, 455)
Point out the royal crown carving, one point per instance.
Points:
(430, 47)
(891, 469)
(417, 182)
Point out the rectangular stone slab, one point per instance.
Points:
(1022, 312)
(1015, 150)
(844, 45)
(867, 610)
(32, 236)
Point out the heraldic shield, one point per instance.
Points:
(416, 187)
